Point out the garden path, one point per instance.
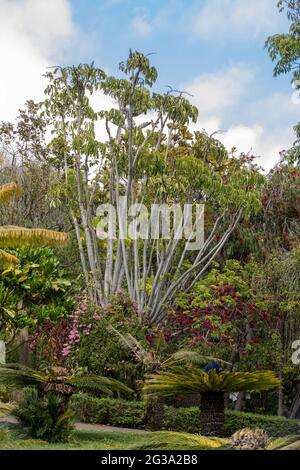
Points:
(83, 426)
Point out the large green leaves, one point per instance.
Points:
(179, 381)
(20, 376)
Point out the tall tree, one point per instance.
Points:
(148, 157)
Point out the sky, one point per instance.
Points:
(213, 49)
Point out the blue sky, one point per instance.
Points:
(214, 49)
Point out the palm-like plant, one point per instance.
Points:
(6, 408)
(151, 361)
(11, 236)
(212, 387)
(58, 381)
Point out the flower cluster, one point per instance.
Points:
(76, 328)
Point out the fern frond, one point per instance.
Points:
(7, 259)
(130, 343)
(6, 408)
(192, 358)
(20, 236)
(96, 383)
(166, 440)
(7, 191)
(179, 381)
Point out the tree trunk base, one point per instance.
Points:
(212, 415)
(154, 413)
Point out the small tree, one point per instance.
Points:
(59, 381)
(152, 363)
(212, 386)
(11, 236)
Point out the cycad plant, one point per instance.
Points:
(59, 381)
(11, 236)
(44, 411)
(212, 387)
(6, 408)
(151, 362)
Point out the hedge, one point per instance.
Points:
(108, 411)
(131, 414)
(275, 426)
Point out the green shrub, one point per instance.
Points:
(108, 411)
(43, 417)
(3, 435)
(182, 419)
(100, 351)
(4, 393)
(275, 426)
(131, 414)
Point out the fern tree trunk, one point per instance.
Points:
(154, 414)
(212, 406)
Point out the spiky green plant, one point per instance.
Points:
(6, 408)
(151, 361)
(55, 385)
(212, 387)
(59, 381)
(167, 440)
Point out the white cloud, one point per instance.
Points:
(216, 92)
(140, 26)
(277, 109)
(265, 144)
(242, 137)
(261, 126)
(33, 34)
(242, 18)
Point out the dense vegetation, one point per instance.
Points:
(202, 341)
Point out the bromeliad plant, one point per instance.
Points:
(212, 387)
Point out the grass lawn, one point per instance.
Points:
(13, 437)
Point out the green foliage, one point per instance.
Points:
(130, 414)
(285, 443)
(182, 419)
(223, 316)
(59, 380)
(180, 381)
(4, 393)
(284, 48)
(179, 441)
(108, 411)
(43, 417)
(274, 426)
(35, 290)
(100, 352)
(14, 438)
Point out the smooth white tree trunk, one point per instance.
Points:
(2, 352)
